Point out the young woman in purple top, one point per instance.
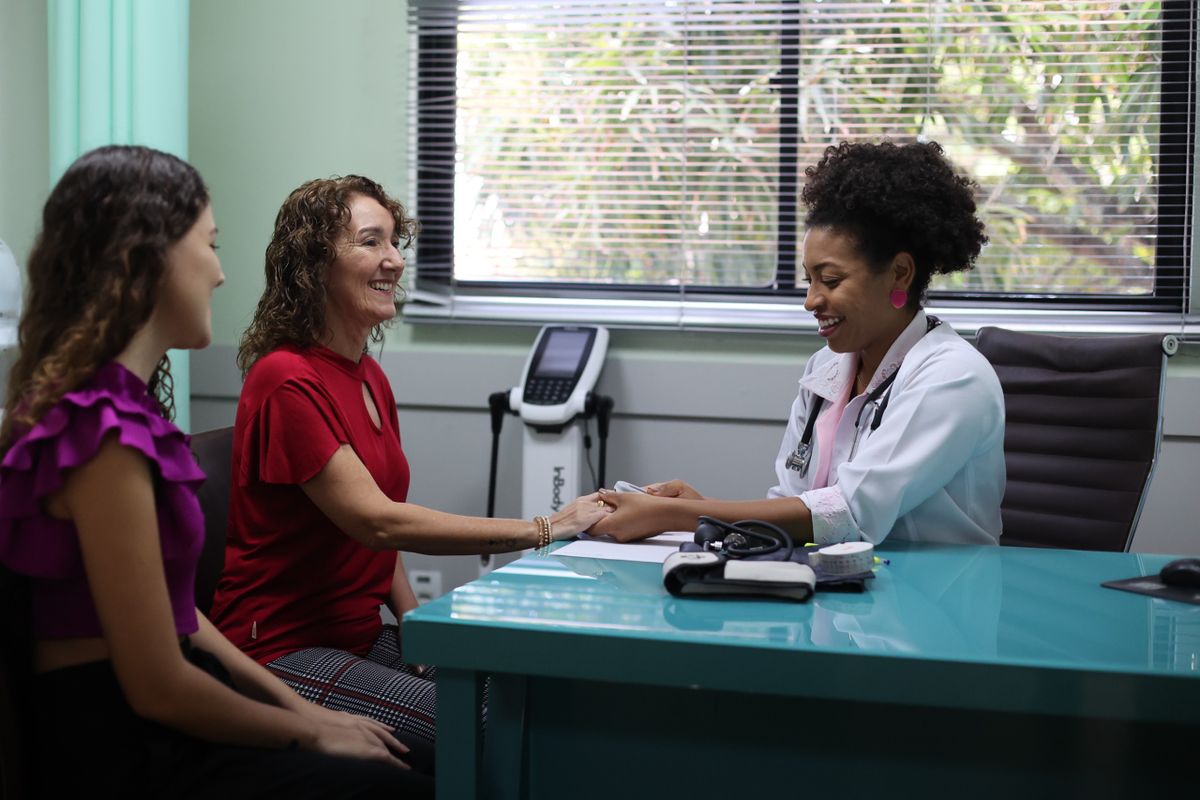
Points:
(132, 690)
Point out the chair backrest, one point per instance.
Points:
(214, 453)
(1083, 426)
(16, 659)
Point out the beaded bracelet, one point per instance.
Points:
(545, 532)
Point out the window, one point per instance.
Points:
(649, 147)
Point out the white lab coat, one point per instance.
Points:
(933, 471)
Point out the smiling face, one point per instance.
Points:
(363, 278)
(850, 301)
(193, 271)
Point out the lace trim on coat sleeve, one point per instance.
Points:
(831, 518)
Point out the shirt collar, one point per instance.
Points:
(831, 378)
(355, 369)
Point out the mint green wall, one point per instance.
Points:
(283, 91)
(118, 74)
(280, 91)
(287, 90)
(24, 125)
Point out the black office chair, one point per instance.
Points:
(214, 453)
(1083, 427)
(16, 670)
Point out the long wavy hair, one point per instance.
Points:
(308, 231)
(94, 274)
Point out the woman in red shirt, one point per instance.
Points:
(318, 511)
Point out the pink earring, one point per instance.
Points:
(899, 298)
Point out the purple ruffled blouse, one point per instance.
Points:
(47, 550)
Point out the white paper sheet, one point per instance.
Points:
(653, 550)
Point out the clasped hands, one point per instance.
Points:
(630, 516)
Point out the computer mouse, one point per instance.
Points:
(1183, 572)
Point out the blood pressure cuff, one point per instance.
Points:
(696, 572)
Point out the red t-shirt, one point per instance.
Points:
(292, 579)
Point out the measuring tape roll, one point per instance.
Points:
(846, 558)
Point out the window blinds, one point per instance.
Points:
(640, 145)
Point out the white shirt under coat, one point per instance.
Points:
(933, 471)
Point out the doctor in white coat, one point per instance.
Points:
(898, 427)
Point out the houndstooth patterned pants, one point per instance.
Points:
(381, 686)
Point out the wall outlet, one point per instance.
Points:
(426, 584)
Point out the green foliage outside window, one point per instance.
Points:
(644, 149)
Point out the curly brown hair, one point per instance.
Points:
(893, 198)
(308, 231)
(94, 274)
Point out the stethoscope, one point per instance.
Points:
(800, 457)
(747, 537)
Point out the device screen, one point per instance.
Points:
(563, 355)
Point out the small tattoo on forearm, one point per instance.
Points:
(507, 544)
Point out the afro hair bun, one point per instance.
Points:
(897, 198)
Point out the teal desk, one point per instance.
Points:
(964, 670)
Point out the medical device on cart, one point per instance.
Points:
(555, 400)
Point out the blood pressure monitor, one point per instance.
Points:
(561, 370)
